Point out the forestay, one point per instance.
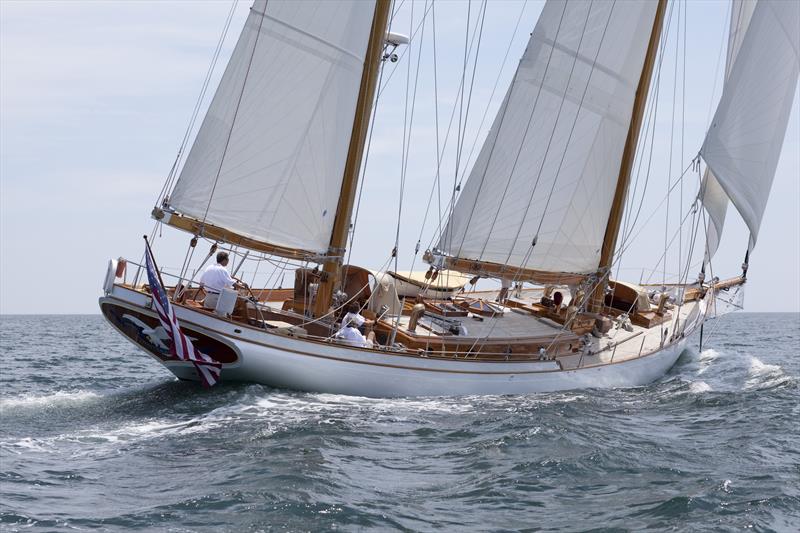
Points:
(268, 160)
(744, 141)
(549, 166)
(715, 201)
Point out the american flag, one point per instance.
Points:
(181, 347)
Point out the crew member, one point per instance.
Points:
(505, 285)
(354, 318)
(215, 278)
(352, 323)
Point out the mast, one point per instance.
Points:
(344, 209)
(621, 191)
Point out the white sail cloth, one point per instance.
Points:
(715, 201)
(549, 166)
(744, 141)
(268, 159)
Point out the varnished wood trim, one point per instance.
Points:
(216, 233)
(496, 270)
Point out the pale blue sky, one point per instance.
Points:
(95, 96)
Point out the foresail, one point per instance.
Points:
(715, 202)
(744, 141)
(713, 196)
(268, 159)
(549, 166)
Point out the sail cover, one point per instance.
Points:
(744, 141)
(715, 201)
(549, 166)
(268, 159)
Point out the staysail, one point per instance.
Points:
(744, 141)
(713, 196)
(268, 159)
(548, 169)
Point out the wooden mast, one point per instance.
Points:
(344, 209)
(621, 192)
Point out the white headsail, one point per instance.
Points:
(269, 157)
(744, 141)
(715, 201)
(549, 166)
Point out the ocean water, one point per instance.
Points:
(94, 435)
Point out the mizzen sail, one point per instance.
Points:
(744, 141)
(548, 169)
(268, 159)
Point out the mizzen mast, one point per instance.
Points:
(341, 226)
(628, 154)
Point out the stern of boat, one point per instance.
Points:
(129, 310)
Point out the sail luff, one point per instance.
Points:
(628, 154)
(344, 209)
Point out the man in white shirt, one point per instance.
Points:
(351, 322)
(354, 318)
(215, 278)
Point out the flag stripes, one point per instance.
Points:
(181, 347)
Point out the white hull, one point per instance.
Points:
(301, 364)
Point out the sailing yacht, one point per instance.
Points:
(273, 173)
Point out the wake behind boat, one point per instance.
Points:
(272, 178)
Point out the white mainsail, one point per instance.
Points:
(715, 201)
(268, 160)
(744, 141)
(549, 166)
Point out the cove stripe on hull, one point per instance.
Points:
(292, 363)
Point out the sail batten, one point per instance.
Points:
(268, 160)
(743, 144)
(548, 169)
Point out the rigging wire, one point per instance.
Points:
(381, 88)
(522, 144)
(363, 171)
(437, 181)
(407, 130)
(460, 89)
(460, 112)
(575, 121)
(466, 167)
(198, 104)
(671, 138)
(497, 134)
(235, 114)
(655, 93)
(461, 135)
(530, 249)
(683, 122)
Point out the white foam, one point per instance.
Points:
(54, 399)
(705, 359)
(760, 368)
(764, 375)
(699, 387)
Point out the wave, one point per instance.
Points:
(55, 399)
(714, 370)
(765, 376)
(699, 387)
